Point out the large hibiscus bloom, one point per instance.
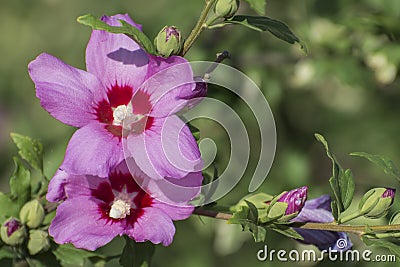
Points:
(94, 210)
(126, 99)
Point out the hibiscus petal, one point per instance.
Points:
(56, 190)
(78, 221)
(92, 150)
(176, 192)
(324, 239)
(169, 84)
(116, 58)
(65, 92)
(153, 225)
(166, 149)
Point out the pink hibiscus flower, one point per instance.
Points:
(95, 210)
(123, 105)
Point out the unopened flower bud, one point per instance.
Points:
(13, 232)
(376, 202)
(226, 8)
(32, 214)
(287, 205)
(38, 242)
(168, 41)
(395, 218)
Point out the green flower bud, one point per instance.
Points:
(13, 232)
(395, 218)
(226, 8)
(32, 214)
(38, 242)
(168, 41)
(376, 202)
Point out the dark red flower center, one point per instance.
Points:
(121, 198)
(124, 111)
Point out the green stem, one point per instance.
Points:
(200, 25)
(355, 229)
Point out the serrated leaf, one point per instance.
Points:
(392, 247)
(30, 150)
(125, 28)
(260, 23)
(341, 182)
(20, 183)
(286, 231)
(257, 5)
(383, 162)
(137, 254)
(8, 209)
(68, 255)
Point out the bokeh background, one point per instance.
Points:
(346, 87)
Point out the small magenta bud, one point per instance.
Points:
(168, 41)
(38, 242)
(13, 232)
(376, 202)
(287, 205)
(226, 8)
(32, 214)
(295, 199)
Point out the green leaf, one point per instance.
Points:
(392, 247)
(6, 254)
(8, 209)
(20, 183)
(259, 23)
(347, 185)
(49, 217)
(44, 260)
(125, 28)
(71, 256)
(194, 130)
(383, 162)
(257, 5)
(341, 182)
(259, 232)
(30, 150)
(286, 231)
(253, 212)
(137, 254)
(247, 216)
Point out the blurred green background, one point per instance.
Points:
(346, 88)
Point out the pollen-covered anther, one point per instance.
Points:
(120, 209)
(120, 113)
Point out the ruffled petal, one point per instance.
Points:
(154, 226)
(166, 149)
(78, 221)
(92, 150)
(169, 84)
(115, 58)
(65, 92)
